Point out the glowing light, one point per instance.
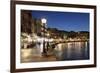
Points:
(44, 20)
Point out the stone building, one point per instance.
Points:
(29, 24)
(26, 21)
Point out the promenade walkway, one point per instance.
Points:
(34, 55)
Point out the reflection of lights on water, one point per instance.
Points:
(86, 43)
(59, 47)
(70, 45)
(78, 47)
(75, 47)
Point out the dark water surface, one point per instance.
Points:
(72, 51)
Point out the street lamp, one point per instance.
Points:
(43, 20)
(48, 41)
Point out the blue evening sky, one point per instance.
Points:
(69, 21)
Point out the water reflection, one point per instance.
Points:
(61, 52)
(72, 51)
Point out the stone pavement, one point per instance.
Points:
(34, 55)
